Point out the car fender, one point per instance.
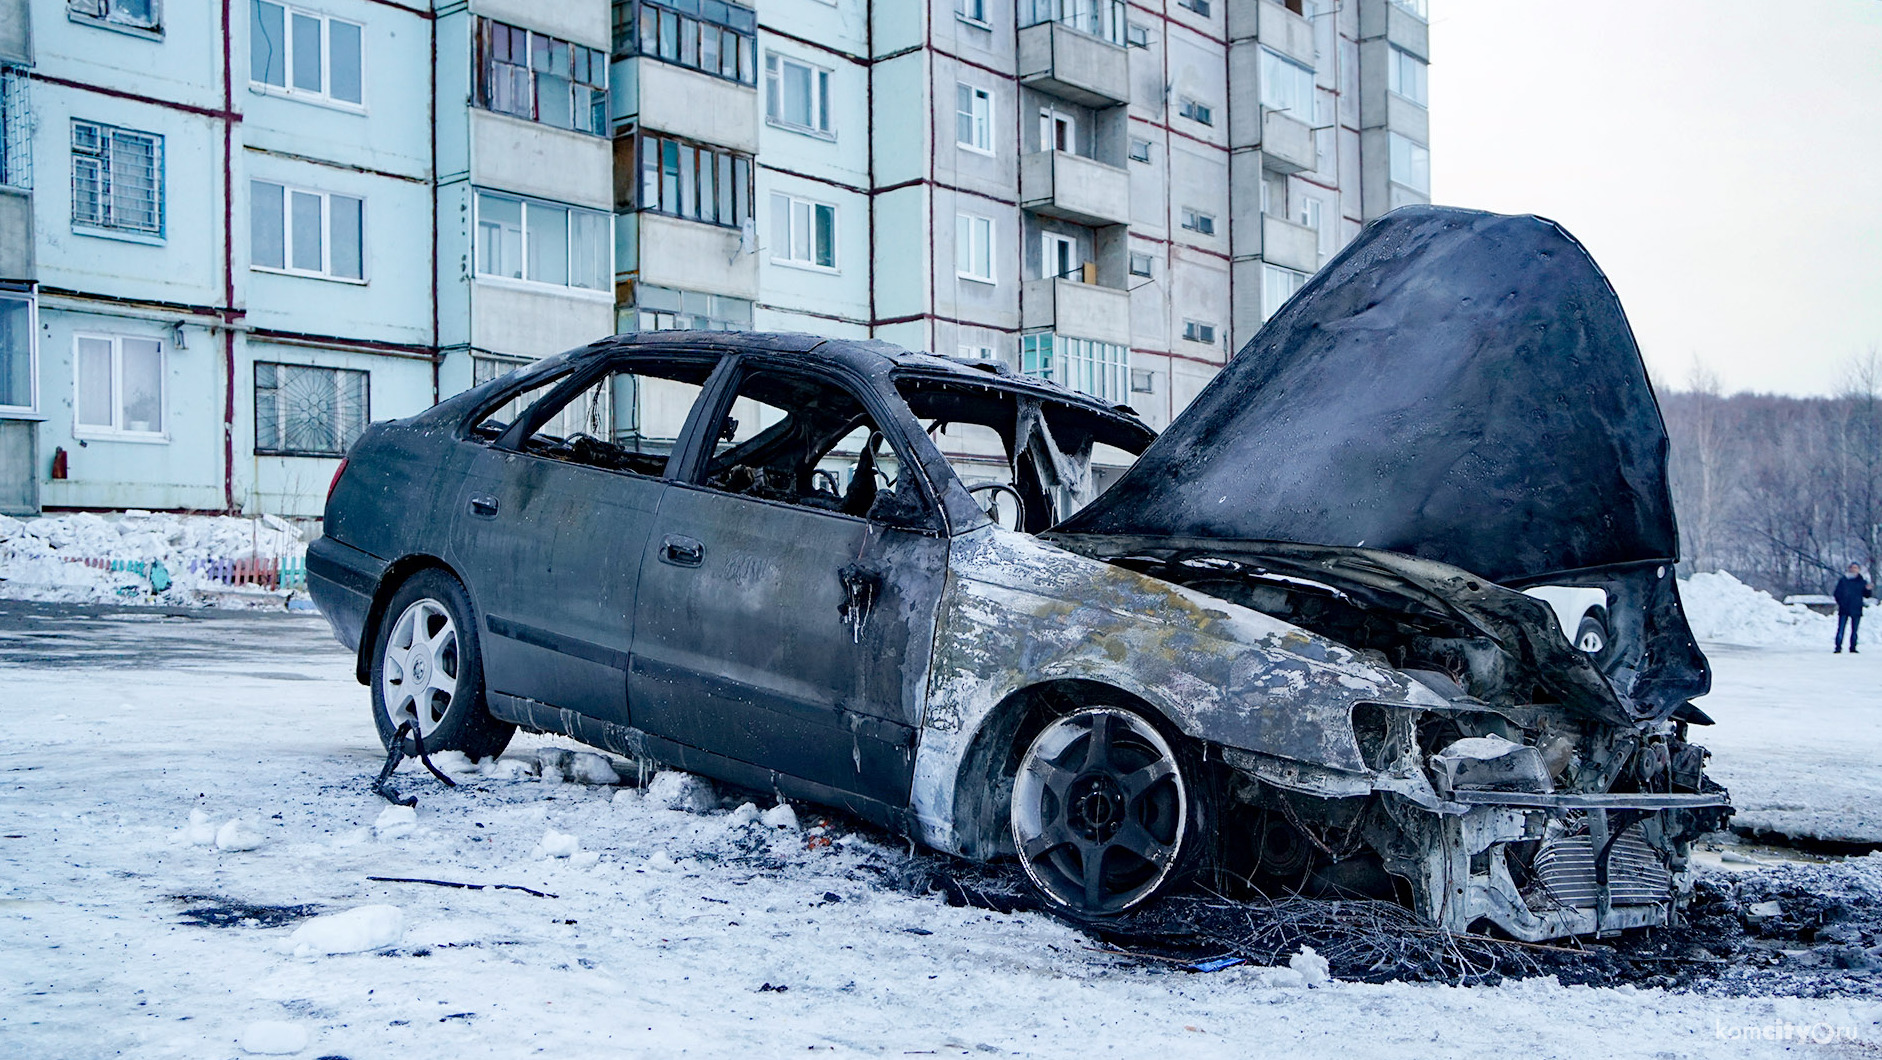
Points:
(1017, 612)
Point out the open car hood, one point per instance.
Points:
(1457, 386)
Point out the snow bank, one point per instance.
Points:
(1722, 608)
(47, 558)
(366, 927)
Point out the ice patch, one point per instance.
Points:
(239, 835)
(273, 1038)
(366, 927)
(682, 791)
(396, 821)
(556, 844)
(780, 816)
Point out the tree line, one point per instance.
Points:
(1783, 492)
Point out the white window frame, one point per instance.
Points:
(1397, 60)
(31, 407)
(1050, 118)
(1277, 95)
(979, 241)
(1147, 145)
(288, 88)
(785, 255)
(1150, 264)
(108, 178)
(1196, 110)
(1200, 7)
(602, 293)
(1414, 155)
(1136, 35)
(116, 431)
(820, 77)
(1195, 330)
(286, 268)
(1049, 244)
(979, 117)
(970, 352)
(1272, 276)
(1194, 220)
(972, 12)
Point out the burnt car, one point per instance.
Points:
(1289, 646)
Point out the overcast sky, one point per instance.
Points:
(1721, 159)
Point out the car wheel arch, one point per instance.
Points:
(983, 780)
(396, 574)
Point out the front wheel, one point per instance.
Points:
(1592, 637)
(1104, 813)
(427, 671)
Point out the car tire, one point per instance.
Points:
(427, 669)
(1107, 813)
(1592, 636)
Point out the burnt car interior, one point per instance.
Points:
(612, 422)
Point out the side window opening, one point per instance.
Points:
(628, 419)
(808, 442)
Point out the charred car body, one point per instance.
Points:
(1290, 645)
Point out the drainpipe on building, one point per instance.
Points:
(228, 264)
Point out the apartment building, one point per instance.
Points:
(234, 231)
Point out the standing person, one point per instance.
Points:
(1849, 592)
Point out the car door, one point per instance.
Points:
(553, 519)
(787, 598)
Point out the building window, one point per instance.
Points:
(1416, 7)
(1277, 286)
(668, 309)
(543, 242)
(303, 53)
(714, 38)
(118, 384)
(973, 118)
(1103, 19)
(1101, 369)
(1197, 331)
(803, 233)
(117, 178)
(137, 14)
(973, 247)
(311, 233)
(974, 11)
(797, 95)
(1137, 35)
(1201, 7)
(542, 79)
(1287, 86)
(1197, 221)
(975, 353)
(693, 181)
(1405, 75)
(302, 410)
(1411, 163)
(19, 349)
(1143, 381)
(1142, 264)
(1140, 150)
(16, 139)
(1197, 112)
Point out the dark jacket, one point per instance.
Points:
(1849, 591)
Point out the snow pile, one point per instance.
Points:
(1722, 608)
(682, 791)
(366, 927)
(48, 558)
(274, 1038)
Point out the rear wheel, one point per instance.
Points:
(1106, 813)
(427, 671)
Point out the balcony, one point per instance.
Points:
(1289, 245)
(1086, 310)
(1286, 143)
(1087, 70)
(673, 99)
(1397, 23)
(690, 255)
(1073, 188)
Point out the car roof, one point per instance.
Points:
(867, 357)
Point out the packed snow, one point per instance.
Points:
(46, 558)
(1724, 610)
(686, 919)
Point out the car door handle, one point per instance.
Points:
(483, 504)
(682, 551)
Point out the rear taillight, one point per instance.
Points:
(337, 472)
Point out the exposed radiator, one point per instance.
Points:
(1564, 873)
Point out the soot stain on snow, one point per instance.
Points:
(208, 910)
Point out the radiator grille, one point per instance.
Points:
(1564, 873)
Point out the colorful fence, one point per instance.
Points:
(285, 572)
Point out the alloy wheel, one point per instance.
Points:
(420, 671)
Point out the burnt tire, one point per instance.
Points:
(1107, 812)
(427, 670)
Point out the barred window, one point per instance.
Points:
(542, 79)
(694, 181)
(710, 36)
(117, 178)
(304, 410)
(16, 153)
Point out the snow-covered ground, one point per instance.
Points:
(130, 741)
(58, 557)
